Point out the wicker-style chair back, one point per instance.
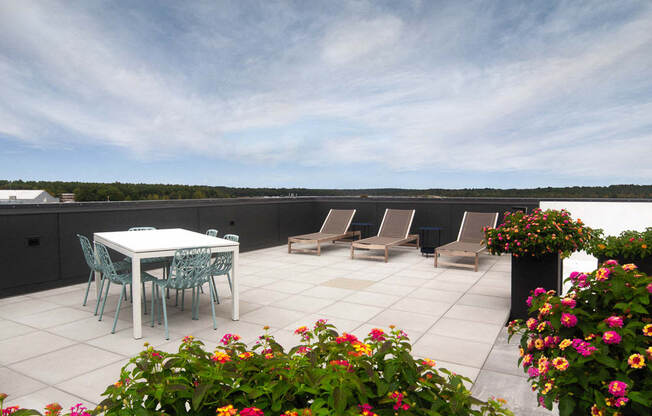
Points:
(190, 267)
(211, 232)
(89, 254)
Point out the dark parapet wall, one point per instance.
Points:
(39, 248)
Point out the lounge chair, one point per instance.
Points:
(469, 240)
(335, 227)
(394, 231)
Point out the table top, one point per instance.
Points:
(162, 240)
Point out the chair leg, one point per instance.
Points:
(106, 295)
(90, 278)
(228, 279)
(213, 289)
(165, 314)
(99, 299)
(158, 289)
(153, 308)
(476, 262)
(210, 283)
(318, 249)
(117, 311)
(352, 251)
(436, 255)
(176, 298)
(183, 298)
(144, 299)
(386, 254)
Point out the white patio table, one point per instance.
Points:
(162, 243)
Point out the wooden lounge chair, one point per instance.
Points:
(394, 231)
(335, 227)
(469, 240)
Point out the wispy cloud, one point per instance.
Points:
(563, 88)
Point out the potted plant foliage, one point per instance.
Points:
(590, 350)
(326, 374)
(629, 247)
(537, 242)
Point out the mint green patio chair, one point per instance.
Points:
(212, 232)
(111, 275)
(190, 270)
(94, 265)
(222, 266)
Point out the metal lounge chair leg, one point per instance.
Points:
(117, 311)
(106, 295)
(352, 251)
(90, 278)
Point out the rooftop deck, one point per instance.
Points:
(54, 349)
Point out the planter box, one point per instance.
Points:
(644, 264)
(528, 273)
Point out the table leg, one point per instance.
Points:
(135, 284)
(235, 282)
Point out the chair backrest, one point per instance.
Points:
(105, 262)
(141, 228)
(190, 266)
(212, 232)
(232, 237)
(337, 221)
(396, 223)
(473, 224)
(89, 254)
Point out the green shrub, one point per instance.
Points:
(629, 244)
(588, 350)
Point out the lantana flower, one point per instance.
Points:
(220, 357)
(636, 361)
(611, 337)
(560, 363)
(377, 334)
(569, 302)
(647, 330)
(428, 362)
(629, 267)
(614, 322)
(565, 343)
(227, 338)
(618, 388)
(251, 411)
(227, 410)
(568, 320)
(602, 274)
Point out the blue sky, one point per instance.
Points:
(328, 94)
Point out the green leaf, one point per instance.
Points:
(638, 308)
(198, 395)
(25, 412)
(639, 398)
(339, 400)
(566, 406)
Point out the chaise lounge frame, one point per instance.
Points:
(326, 233)
(381, 242)
(464, 246)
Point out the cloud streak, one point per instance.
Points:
(565, 89)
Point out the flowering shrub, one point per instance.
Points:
(590, 350)
(326, 374)
(52, 409)
(629, 244)
(537, 234)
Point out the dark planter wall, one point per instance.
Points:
(39, 250)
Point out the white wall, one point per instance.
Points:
(612, 217)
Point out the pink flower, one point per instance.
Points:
(649, 288)
(533, 372)
(602, 274)
(251, 411)
(620, 401)
(531, 324)
(346, 338)
(618, 388)
(539, 291)
(611, 337)
(629, 267)
(614, 322)
(611, 262)
(569, 302)
(568, 320)
(573, 276)
(528, 301)
(227, 338)
(377, 334)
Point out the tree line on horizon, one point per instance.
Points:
(117, 191)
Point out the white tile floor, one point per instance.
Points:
(54, 349)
